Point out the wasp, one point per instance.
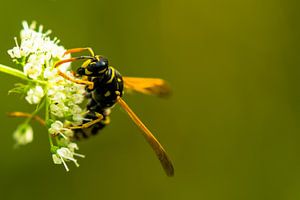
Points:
(105, 88)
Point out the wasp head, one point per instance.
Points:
(98, 66)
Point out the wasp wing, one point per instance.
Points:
(150, 86)
(156, 146)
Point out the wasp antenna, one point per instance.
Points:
(77, 50)
(72, 60)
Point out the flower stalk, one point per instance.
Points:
(13, 72)
(17, 73)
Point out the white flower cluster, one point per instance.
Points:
(37, 54)
(65, 96)
(37, 48)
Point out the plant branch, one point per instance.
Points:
(17, 73)
(13, 72)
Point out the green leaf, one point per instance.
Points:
(19, 89)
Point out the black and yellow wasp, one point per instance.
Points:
(104, 89)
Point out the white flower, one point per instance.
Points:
(17, 51)
(59, 96)
(78, 118)
(23, 134)
(77, 98)
(55, 110)
(37, 58)
(68, 133)
(14, 52)
(50, 73)
(64, 154)
(75, 109)
(73, 146)
(35, 95)
(57, 127)
(33, 70)
(57, 160)
(59, 109)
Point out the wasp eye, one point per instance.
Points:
(103, 62)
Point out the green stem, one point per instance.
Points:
(38, 108)
(47, 109)
(46, 120)
(50, 140)
(13, 72)
(17, 73)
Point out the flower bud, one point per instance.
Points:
(23, 134)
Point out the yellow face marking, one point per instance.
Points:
(112, 75)
(119, 80)
(87, 72)
(86, 63)
(102, 71)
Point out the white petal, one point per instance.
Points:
(56, 159)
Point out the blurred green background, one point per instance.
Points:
(231, 126)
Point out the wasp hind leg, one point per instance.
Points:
(154, 143)
(27, 115)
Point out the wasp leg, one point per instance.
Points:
(89, 83)
(88, 124)
(154, 143)
(76, 50)
(78, 81)
(27, 115)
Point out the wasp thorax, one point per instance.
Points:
(98, 66)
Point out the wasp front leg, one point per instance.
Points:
(154, 143)
(78, 81)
